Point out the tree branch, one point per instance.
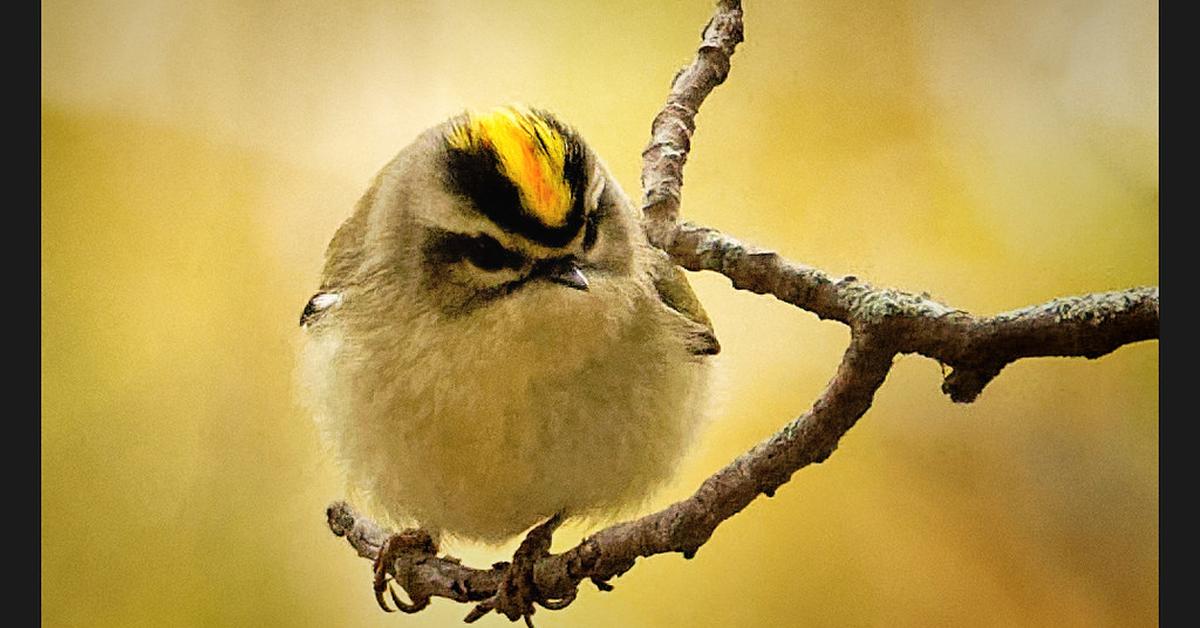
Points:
(883, 323)
(671, 131)
(976, 348)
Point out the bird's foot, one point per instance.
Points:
(517, 592)
(414, 541)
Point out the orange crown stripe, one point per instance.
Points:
(531, 154)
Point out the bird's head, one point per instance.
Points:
(508, 202)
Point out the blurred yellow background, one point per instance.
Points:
(196, 158)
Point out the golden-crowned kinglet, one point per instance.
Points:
(494, 341)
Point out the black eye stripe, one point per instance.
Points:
(488, 254)
(481, 250)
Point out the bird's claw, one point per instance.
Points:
(401, 605)
(517, 591)
(406, 541)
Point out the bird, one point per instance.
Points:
(494, 344)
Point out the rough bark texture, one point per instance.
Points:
(976, 348)
(883, 323)
(671, 131)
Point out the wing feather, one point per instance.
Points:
(676, 293)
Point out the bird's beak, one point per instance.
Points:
(567, 273)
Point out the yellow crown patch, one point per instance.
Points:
(531, 153)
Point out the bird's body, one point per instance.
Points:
(478, 367)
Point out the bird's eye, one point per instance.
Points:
(488, 254)
(481, 250)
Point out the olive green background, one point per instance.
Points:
(196, 158)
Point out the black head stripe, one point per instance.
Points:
(475, 174)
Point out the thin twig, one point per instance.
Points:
(976, 348)
(671, 131)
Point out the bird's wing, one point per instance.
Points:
(676, 293)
